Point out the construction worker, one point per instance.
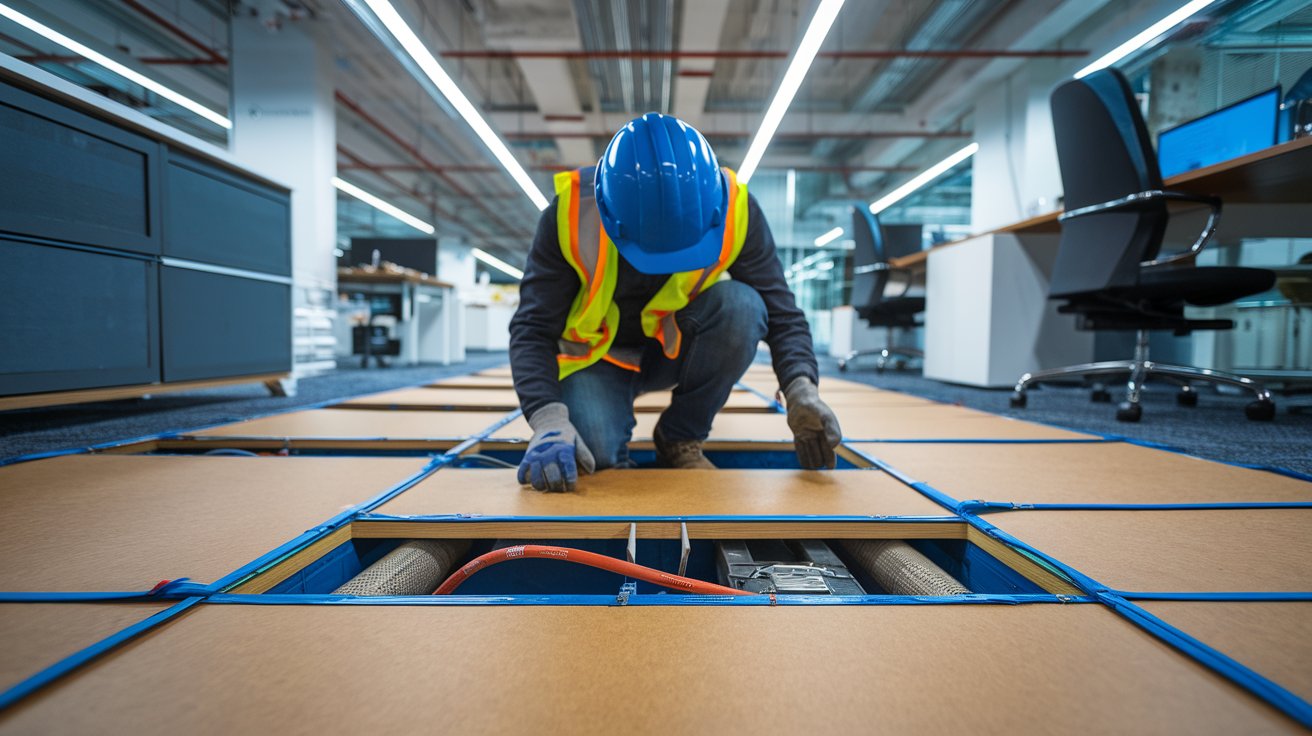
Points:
(653, 270)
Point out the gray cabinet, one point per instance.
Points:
(76, 319)
(218, 325)
(70, 177)
(213, 216)
(126, 261)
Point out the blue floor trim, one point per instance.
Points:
(1236, 597)
(78, 659)
(985, 507)
(1280, 698)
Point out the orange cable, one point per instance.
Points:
(582, 557)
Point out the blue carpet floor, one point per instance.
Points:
(1216, 428)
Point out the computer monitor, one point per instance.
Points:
(1233, 131)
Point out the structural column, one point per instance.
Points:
(284, 126)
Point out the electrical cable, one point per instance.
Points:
(591, 559)
(485, 460)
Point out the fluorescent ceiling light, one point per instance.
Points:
(797, 68)
(1148, 34)
(383, 206)
(131, 75)
(829, 237)
(923, 178)
(449, 89)
(497, 263)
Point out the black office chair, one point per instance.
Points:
(1109, 271)
(881, 294)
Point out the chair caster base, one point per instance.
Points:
(842, 366)
(1260, 411)
(1187, 397)
(1100, 396)
(1127, 412)
(1019, 400)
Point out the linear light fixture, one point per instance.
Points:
(923, 178)
(1142, 39)
(496, 263)
(829, 237)
(447, 86)
(797, 68)
(131, 75)
(381, 205)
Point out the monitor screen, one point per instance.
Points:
(1233, 131)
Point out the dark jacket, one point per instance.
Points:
(550, 284)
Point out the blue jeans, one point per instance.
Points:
(721, 329)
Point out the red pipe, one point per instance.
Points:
(214, 56)
(581, 557)
(359, 163)
(747, 54)
(404, 145)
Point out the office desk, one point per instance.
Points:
(1281, 174)
(988, 318)
(430, 325)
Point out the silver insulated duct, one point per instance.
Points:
(901, 570)
(415, 568)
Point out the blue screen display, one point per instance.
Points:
(1240, 129)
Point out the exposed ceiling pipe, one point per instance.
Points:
(213, 55)
(641, 54)
(381, 171)
(456, 186)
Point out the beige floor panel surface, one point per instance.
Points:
(1092, 472)
(939, 422)
(770, 427)
(1242, 550)
(673, 669)
(359, 424)
(34, 636)
(1272, 638)
(440, 399)
(667, 493)
(475, 381)
(126, 522)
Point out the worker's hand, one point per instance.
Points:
(555, 454)
(815, 428)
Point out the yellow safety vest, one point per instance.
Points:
(594, 317)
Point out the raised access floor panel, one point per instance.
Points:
(316, 669)
(814, 566)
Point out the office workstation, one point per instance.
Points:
(551, 366)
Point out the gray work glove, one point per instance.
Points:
(815, 428)
(555, 454)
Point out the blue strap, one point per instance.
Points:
(72, 662)
(1283, 700)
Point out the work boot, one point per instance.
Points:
(682, 454)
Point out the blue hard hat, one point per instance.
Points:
(662, 196)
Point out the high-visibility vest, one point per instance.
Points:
(594, 317)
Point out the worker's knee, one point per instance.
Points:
(734, 310)
(605, 432)
(609, 445)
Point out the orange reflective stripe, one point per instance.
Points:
(574, 222)
(616, 361)
(598, 275)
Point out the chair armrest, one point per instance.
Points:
(1140, 199)
(874, 267)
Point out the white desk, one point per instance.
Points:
(988, 318)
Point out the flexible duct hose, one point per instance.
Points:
(411, 569)
(591, 559)
(901, 570)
